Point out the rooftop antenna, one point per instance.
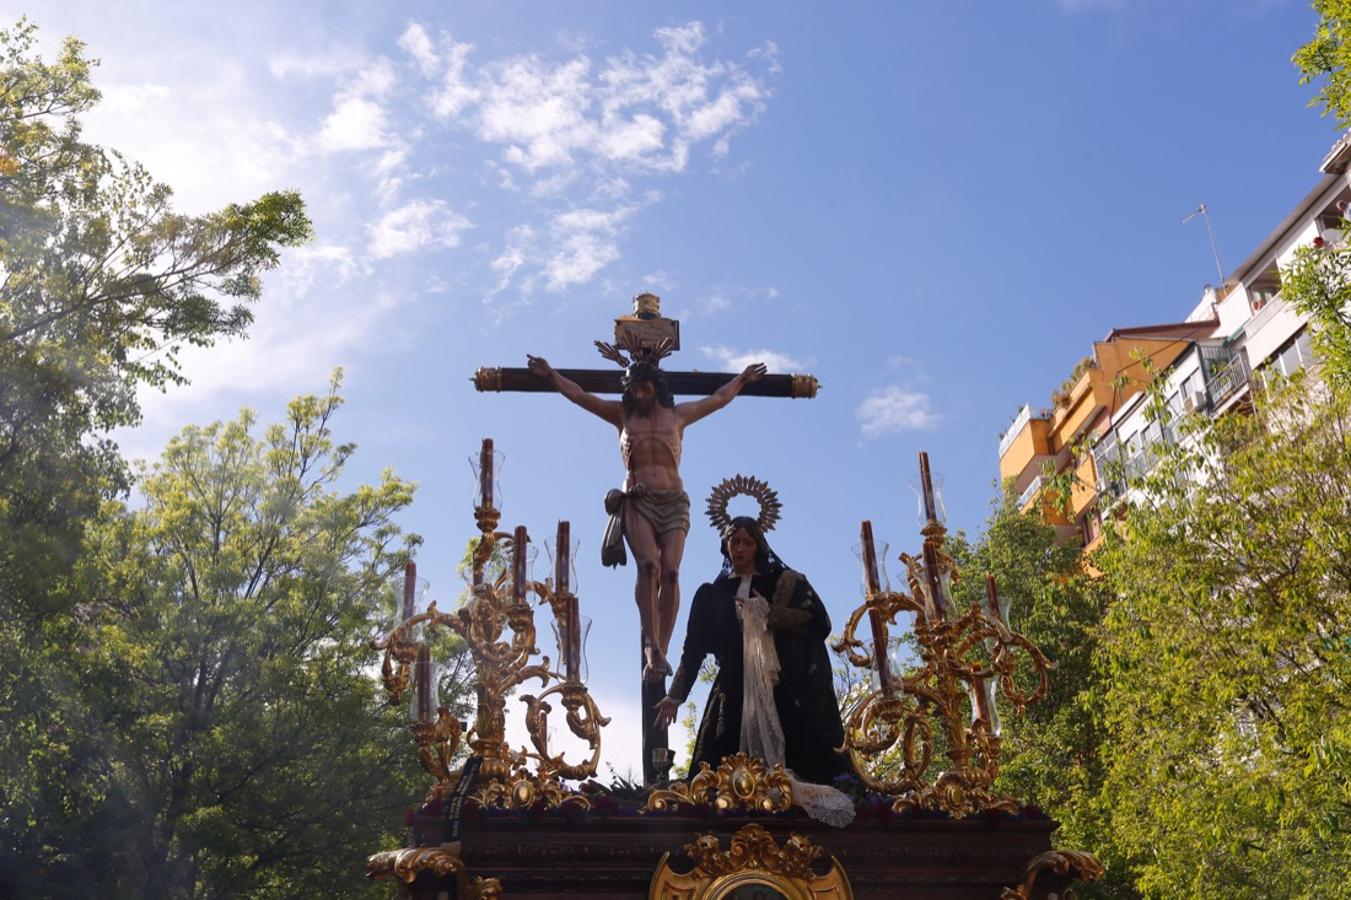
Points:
(1204, 213)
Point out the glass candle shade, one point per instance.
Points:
(404, 603)
(531, 557)
(424, 700)
(940, 512)
(982, 698)
(572, 663)
(487, 467)
(523, 556)
(880, 549)
(898, 659)
(569, 573)
(1001, 608)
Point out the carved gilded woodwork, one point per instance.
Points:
(753, 860)
(1085, 867)
(499, 630)
(892, 728)
(405, 865)
(741, 781)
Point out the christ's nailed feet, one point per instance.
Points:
(656, 668)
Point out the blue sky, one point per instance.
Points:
(934, 207)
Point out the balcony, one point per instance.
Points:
(1025, 415)
(1019, 423)
(1226, 373)
(1270, 308)
(1025, 498)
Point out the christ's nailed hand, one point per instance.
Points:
(539, 365)
(754, 372)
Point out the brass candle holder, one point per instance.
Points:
(502, 662)
(949, 689)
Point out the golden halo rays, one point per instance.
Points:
(749, 486)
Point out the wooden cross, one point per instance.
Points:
(646, 335)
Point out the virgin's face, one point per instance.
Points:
(741, 551)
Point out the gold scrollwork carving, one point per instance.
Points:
(948, 693)
(405, 865)
(437, 743)
(584, 720)
(522, 789)
(740, 782)
(1085, 866)
(502, 662)
(753, 859)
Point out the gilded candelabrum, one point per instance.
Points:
(497, 624)
(951, 689)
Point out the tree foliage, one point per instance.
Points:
(101, 283)
(1227, 659)
(209, 720)
(1318, 284)
(1052, 751)
(1325, 57)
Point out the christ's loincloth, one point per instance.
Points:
(665, 510)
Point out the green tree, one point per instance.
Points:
(1318, 283)
(1325, 57)
(102, 283)
(1227, 658)
(1052, 752)
(219, 730)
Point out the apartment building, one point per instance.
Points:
(1207, 362)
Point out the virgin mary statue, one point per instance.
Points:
(773, 696)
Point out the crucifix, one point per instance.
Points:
(651, 512)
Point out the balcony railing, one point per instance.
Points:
(1029, 492)
(1025, 415)
(1226, 373)
(1264, 315)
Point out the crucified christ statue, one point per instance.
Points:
(652, 512)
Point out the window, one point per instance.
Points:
(1133, 450)
(1265, 288)
(1107, 465)
(1172, 415)
(1295, 355)
(1193, 390)
(1090, 526)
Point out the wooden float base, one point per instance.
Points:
(547, 854)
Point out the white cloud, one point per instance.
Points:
(736, 360)
(415, 225)
(512, 258)
(585, 243)
(359, 120)
(715, 303)
(314, 65)
(132, 98)
(356, 123)
(419, 46)
(284, 353)
(720, 298)
(894, 409)
(633, 111)
(209, 136)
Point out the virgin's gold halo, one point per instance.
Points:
(749, 486)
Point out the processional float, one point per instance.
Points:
(922, 731)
